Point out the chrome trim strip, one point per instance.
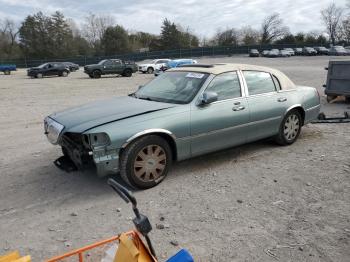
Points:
(230, 128)
(148, 131)
(313, 108)
(291, 107)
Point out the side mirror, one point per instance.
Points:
(140, 86)
(208, 98)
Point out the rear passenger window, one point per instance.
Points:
(277, 82)
(259, 82)
(226, 85)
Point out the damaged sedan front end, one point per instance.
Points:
(84, 150)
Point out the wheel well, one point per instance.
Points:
(301, 112)
(167, 138)
(150, 67)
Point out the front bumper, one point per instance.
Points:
(104, 159)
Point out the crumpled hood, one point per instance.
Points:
(82, 118)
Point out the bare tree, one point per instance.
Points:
(9, 28)
(345, 29)
(272, 28)
(95, 26)
(225, 38)
(249, 36)
(331, 17)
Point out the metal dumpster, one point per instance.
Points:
(338, 80)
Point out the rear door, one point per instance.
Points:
(223, 123)
(118, 66)
(267, 106)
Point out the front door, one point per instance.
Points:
(108, 67)
(223, 123)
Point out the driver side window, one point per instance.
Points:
(226, 85)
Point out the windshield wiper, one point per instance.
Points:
(145, 98)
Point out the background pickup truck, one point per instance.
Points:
(110, 66)
(7, 69)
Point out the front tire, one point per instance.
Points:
(289, 129)
(7, 72)
(39, 75)
(146, 162)
(96, 74)
(150, 70)
(64, 73)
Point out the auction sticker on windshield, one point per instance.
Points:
(195, 75)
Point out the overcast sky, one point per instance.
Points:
(202, 16)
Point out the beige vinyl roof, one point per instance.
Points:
(216, 69)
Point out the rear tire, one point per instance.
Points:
(7, 72)
(64, 73)
(289, 129)
(39, 75)
(127, 73)
(146, 162)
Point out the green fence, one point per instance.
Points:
(176, 53)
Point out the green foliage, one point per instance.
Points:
(115, 40)
(45, 36)
(54, 36)
(172, 37)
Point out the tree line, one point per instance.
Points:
(55, 36)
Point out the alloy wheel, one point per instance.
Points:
(291, 127)
(150, 163)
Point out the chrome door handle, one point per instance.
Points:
(238, 108)
(282, 99)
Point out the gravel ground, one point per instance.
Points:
(257, 202)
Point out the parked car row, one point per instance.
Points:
(52, 69)
(104, 67)
(307, 51)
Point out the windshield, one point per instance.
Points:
(43, 65)
(102, 62)
(173, 87)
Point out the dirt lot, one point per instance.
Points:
(258, 202)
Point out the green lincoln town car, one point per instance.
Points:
(185, 112)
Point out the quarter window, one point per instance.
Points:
(226, 85)
(259, 82)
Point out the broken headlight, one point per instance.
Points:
(53, 130)
(98, 139)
